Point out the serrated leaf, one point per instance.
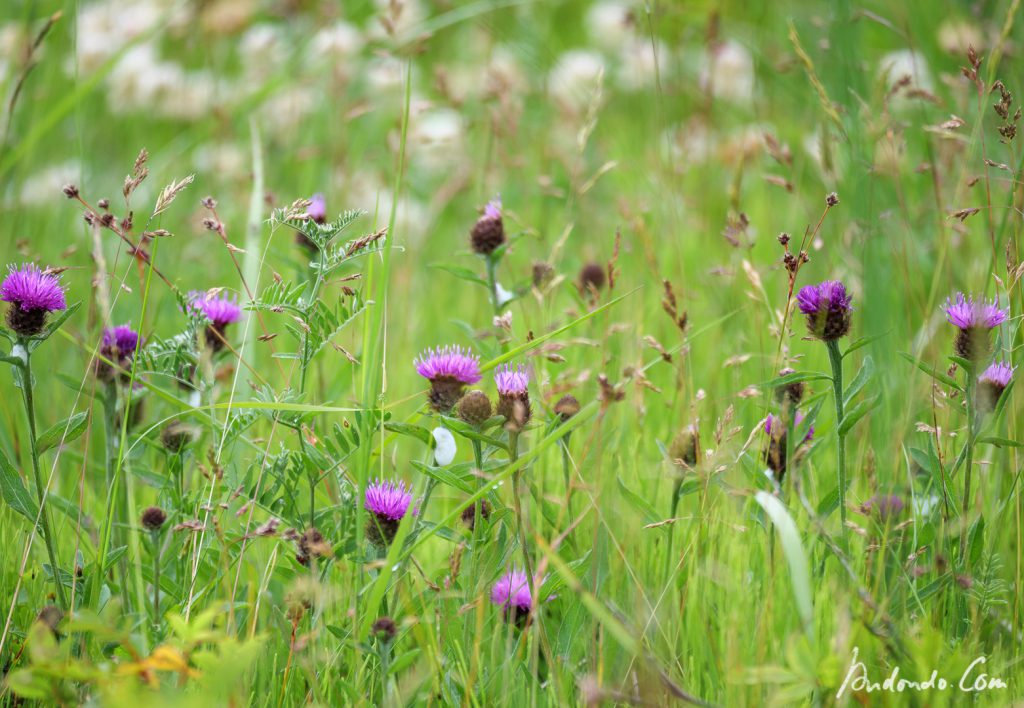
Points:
(64, 432)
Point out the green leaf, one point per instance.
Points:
(650, 513)
(64, 432)
(863, 342)
(867, 371)
(412, 431)
(460, 272)
(13, 490)
(1000, 442)
(795, 377)
(829, 503)
(853, 416)
(54, 325)
(793, 549)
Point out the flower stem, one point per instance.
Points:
(836, 359)
(968, 454)
(492, 282)
(44, 515)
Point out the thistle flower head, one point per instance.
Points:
(475, 407)
(592, 276)
(32, 294)
(449, 370)
(32, 289)
(388, 503)
(153, 518)
(221, 310)
(390, 500)
(449, 362)
(512, 590)
(991, 384)
(967, 313)
(974, 319)
(884, 506)
(120, 342)
(489, 230)
(317, 209)
(774, 426)
(827, 306)
(512, 381)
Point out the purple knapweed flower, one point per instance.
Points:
(221, 310)
(119, 346)
(827, 306)
(388, 503)
(317, 209)
(974, 319)
(449, 370)
(489, 230)
(884, 506)
(32, 294)
(512, 594)
(991, 384)
(513, 395)
(775, 453)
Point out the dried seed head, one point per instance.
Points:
(469, 513)
(567, 407)
(176, 436)
(153, 518)
(832, 199)
(475, 408)
(592, 276)
(70, 191)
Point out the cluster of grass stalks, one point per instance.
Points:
(538, 401)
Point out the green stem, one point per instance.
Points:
(156, 577)
(44, 515)
(492, 282)
(836, 359)
(968, 459)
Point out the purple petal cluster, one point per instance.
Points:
(886, 506)
(31, 289)
(967, 313)
(121, 339)
(317, 210)
(512, 381)
(221, 310)
(493, 209)
(449, 362)
(773, 425)
(997, 374)
(829, 295)
(389, 500)
(512, 591)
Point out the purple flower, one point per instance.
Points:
(120, 341)
(493, 208)
(33, 294)
(489, 230)
(885, 506)
(991, 384)
(513, 395)
(827, 306)
(449, 370)
(968, 313)
(317, 210)
(511, 382)
(220, 310)
(449, 363)
(388, 503)
(974, 319)
(512, 590)
(773, 426)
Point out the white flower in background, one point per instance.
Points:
(401, 18)
(690, 144)
(263, 51)
(905, 62)
(610, 24)
(336, 46)
(827, 156)
(505, 74)
(575, 78)
(444, 446)
(283, 113)
(367, 190)
(728, 71)
(437, 138)
(142, 82)
(221, 160)
(104, 28)
(384, 74)
(955, 36)
(44, 187)
(639, 62)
